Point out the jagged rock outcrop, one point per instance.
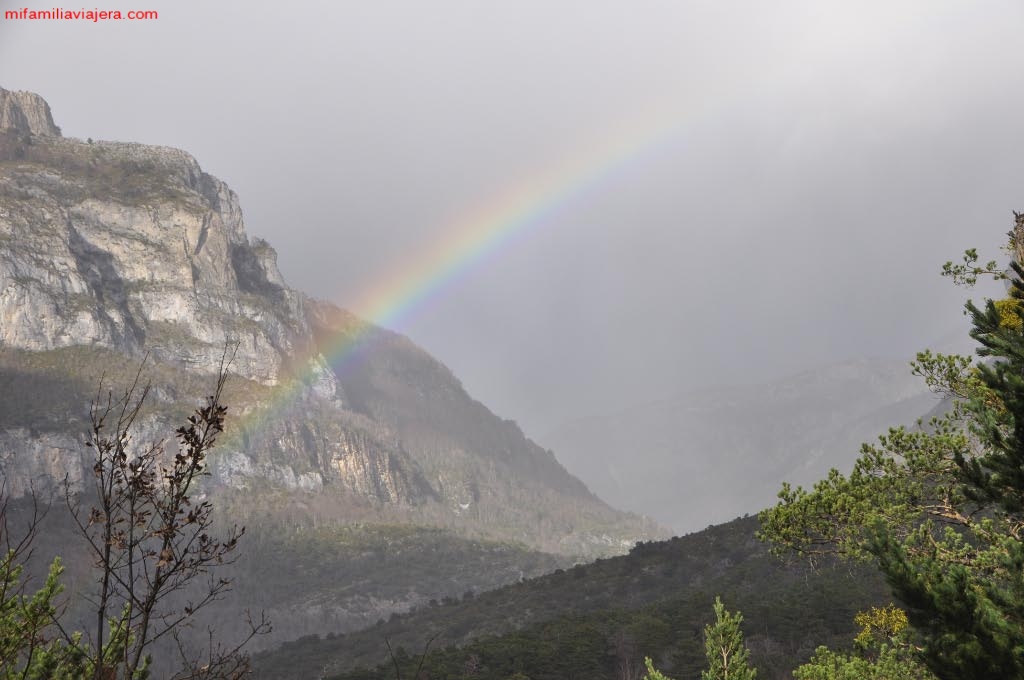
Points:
(136, 249)
(110, 251)
(311, 446)
(30, 461)
(26, 112)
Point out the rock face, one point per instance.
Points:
(112, 251)
(27, 113)
(135, 248)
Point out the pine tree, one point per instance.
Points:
(652, 672)
(723, 643)
(726, 654)
(971, 614)
(940, 509)
(881, 652)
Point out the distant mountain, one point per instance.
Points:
(707, 456)
(112, 251)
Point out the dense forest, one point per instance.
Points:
(599, 620)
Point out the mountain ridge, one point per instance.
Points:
(112, 251)
(745, 439)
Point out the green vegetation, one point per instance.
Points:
(882, 651)
(727, 656)
(940, 511)
(602, 618)
(652, 672)
(27, 649)
(886, 664)
(351, 567)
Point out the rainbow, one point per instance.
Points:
(482, 232)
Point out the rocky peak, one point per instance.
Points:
(110, 251)
(134, 248)
(26, 112)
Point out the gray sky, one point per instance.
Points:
(825, 159)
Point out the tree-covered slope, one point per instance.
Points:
(594, 620)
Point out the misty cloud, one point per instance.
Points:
(828, 157)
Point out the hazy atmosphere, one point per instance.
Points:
(511, 340)
(708, 192)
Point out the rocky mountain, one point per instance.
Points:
(26, 113)
(708, 456)
(111, 252)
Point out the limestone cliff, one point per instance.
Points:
(135, 248)
(112, 251)
(26, 112)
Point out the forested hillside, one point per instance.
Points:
(599, 620)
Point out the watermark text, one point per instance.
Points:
(94, 15)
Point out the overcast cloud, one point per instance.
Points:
(828, 157)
